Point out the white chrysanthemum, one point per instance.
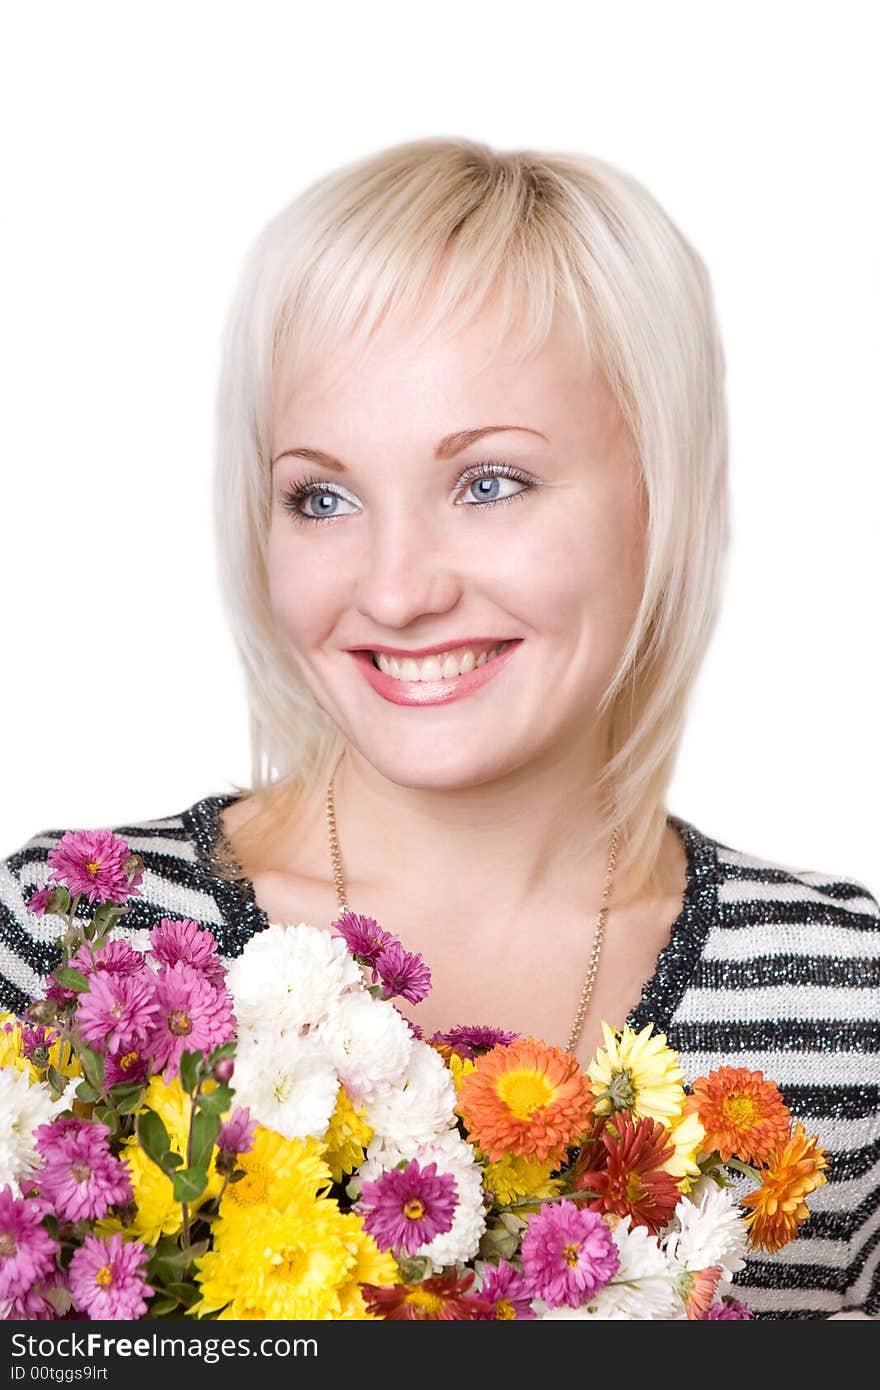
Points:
(452, 1155)
(417, 1110)
(288, 977)
(23, 1106)
(289, 1085)
(370, 1044)
(708, 1229)
(642, 1289)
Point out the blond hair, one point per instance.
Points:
(451, 222)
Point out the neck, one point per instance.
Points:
(529, 837)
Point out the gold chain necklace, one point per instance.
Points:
(598, 935)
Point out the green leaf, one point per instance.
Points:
(189, 1183)
(161, 1307)
(226, 1049)
(216, 1102)
(71, 979)
(190, 1070)
(205, 1128)
(170, 1161)
(93, 1064)
(187, 1294)
(153, 1136)
(108, 1116)
(55, 1079)
(86, 1093)
(127, 1097)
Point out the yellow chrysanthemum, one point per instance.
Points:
(158, 1214)
(687, 1135)
(638, 1073)
(371, 1266)
(60, 1056)
(279, 1174)
(516, 1176)
(286, 1265)
(172, 1104)
(460, 1067)
(348, 1135)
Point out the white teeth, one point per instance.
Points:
(437, 667)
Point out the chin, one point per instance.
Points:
(438, 768)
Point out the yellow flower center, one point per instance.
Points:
(288, 1263)
(570, 1254)
(128, 1060)
(104, 1277)
(740, 1109)
(116, 1010)
(414, 1208)
(503, 1311)
(251, 1190)
(525, 1093)
(93, 866)
(423, 1298)
(633, 1188)
(179, 1023)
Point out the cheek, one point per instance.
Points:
(301, 587)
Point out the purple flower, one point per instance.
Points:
(81, 1178)
(107, 1278)
(471, 1041)
(92, 862)
(363, 936)
(40, 898)
(36, 1041)
(406, 1208)
(567, 1254)
(27, 1251)
(192, 1015)
(402, 973)
(187, 941)
(728, 1308)
(118, 1012)
(46, 1301)
(504, 1288)
(416, 1029)
(237, 1135)
(127, 1068)
(53, 1140)
(115, 957)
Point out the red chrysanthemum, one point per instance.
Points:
(526, 1098)
(632, 1181)
(442, 1298)
(743, 1114)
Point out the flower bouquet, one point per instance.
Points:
(355, 1169)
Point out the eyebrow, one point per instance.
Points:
(447, 448)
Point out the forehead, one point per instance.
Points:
(479, 363)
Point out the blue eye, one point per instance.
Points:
(324, 497)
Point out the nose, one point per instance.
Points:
(408, 570)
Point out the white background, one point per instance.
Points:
(146, 145)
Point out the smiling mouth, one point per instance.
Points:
(444, 666)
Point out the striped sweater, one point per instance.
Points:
(768, 967)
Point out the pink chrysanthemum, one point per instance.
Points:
(107, 1278)
(237, 1135)
(472, 1041)
(727, 1309)
(39, 900)
(567, 1254)
(92, 862)
(27, 1251)
(127, 1068)
(504, 1289)
(186, 941)
(115, 957)
(403, 973)
(53, 1140)
(36, 1039)
(362, 935)
(192, 1015)
(81, 1178)
(406, 1208)
(118, 1012)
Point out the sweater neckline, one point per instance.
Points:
(662, 992)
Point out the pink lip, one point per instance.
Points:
(431, 692)
(416, 652)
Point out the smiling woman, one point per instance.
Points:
(469, 648)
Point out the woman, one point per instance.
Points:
(472, 515)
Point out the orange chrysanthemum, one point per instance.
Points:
(778, 1204)
(525, 1098)
(698, 1289)
(742, 1113)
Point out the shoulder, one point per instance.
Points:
(177, 881)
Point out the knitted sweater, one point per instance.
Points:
(768, 967)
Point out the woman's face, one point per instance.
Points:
(407, 545)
